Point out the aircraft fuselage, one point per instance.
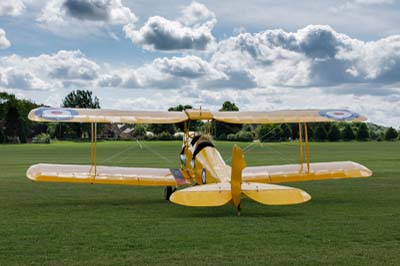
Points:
(203, 161)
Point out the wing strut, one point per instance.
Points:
(301, 147)
(93, 149)
(304, 148)
(307, 149)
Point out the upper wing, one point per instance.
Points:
(77, 115)
(291, 172)
(106, 175)
(288, 116)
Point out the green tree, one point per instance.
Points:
(2, 136)
(179, 108)
(165, 136)
(222, 130)
(362, 132)
(391, 134)
(286, 132)
(334, 133)
(157, 129)
(229, 106)
(139, 131)
(320, 133)
(348, 133)
(13, 125)
(294, 128)
(27, 128)
(80, 99)
(373, 135)
(242, 135)
(269, 133)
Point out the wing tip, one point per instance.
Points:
(32, 114)
(364, 171)
(30, 173)
(305, 195)
(361, 118)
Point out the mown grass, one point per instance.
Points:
(348, 222)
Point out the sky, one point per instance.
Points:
(261, 55)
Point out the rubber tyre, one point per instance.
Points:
(168, 192)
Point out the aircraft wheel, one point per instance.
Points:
(168, 192)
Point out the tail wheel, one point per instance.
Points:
(168, 192)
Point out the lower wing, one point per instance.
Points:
(106, 175)
(296, 172)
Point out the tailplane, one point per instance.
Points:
(222, 193)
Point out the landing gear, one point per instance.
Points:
(168, 192)
(238, 210)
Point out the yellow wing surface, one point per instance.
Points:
(106, 175)
(77, 115)
(220, 194)
(288, 116)
(292, 173)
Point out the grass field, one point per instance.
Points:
(348, 222)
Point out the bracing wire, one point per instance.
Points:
(252, 145)
(109, 158)
(159, 155)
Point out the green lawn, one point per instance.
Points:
(348, 222)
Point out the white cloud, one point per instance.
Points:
(165, 73)
(192, 31)
(187, 67)
(66, 17)
(314, 55)
(376, 61)
(47, 72)
(4, 42)
(314, 67)
(70, 65)
(196, 13)
(355, 5)
(373, 2)
(11, 7)
(110, 80)
(18, 79)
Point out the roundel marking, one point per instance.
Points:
(56, 114)
(203, 176)
(340, 115)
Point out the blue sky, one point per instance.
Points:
(263, 55)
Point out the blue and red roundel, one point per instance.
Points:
(56, 114)
(340, 115)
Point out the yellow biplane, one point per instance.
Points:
(214, 182)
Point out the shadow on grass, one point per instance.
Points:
(230, 211)
(151, 204)
(99, 203)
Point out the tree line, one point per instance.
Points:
(15, 127)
